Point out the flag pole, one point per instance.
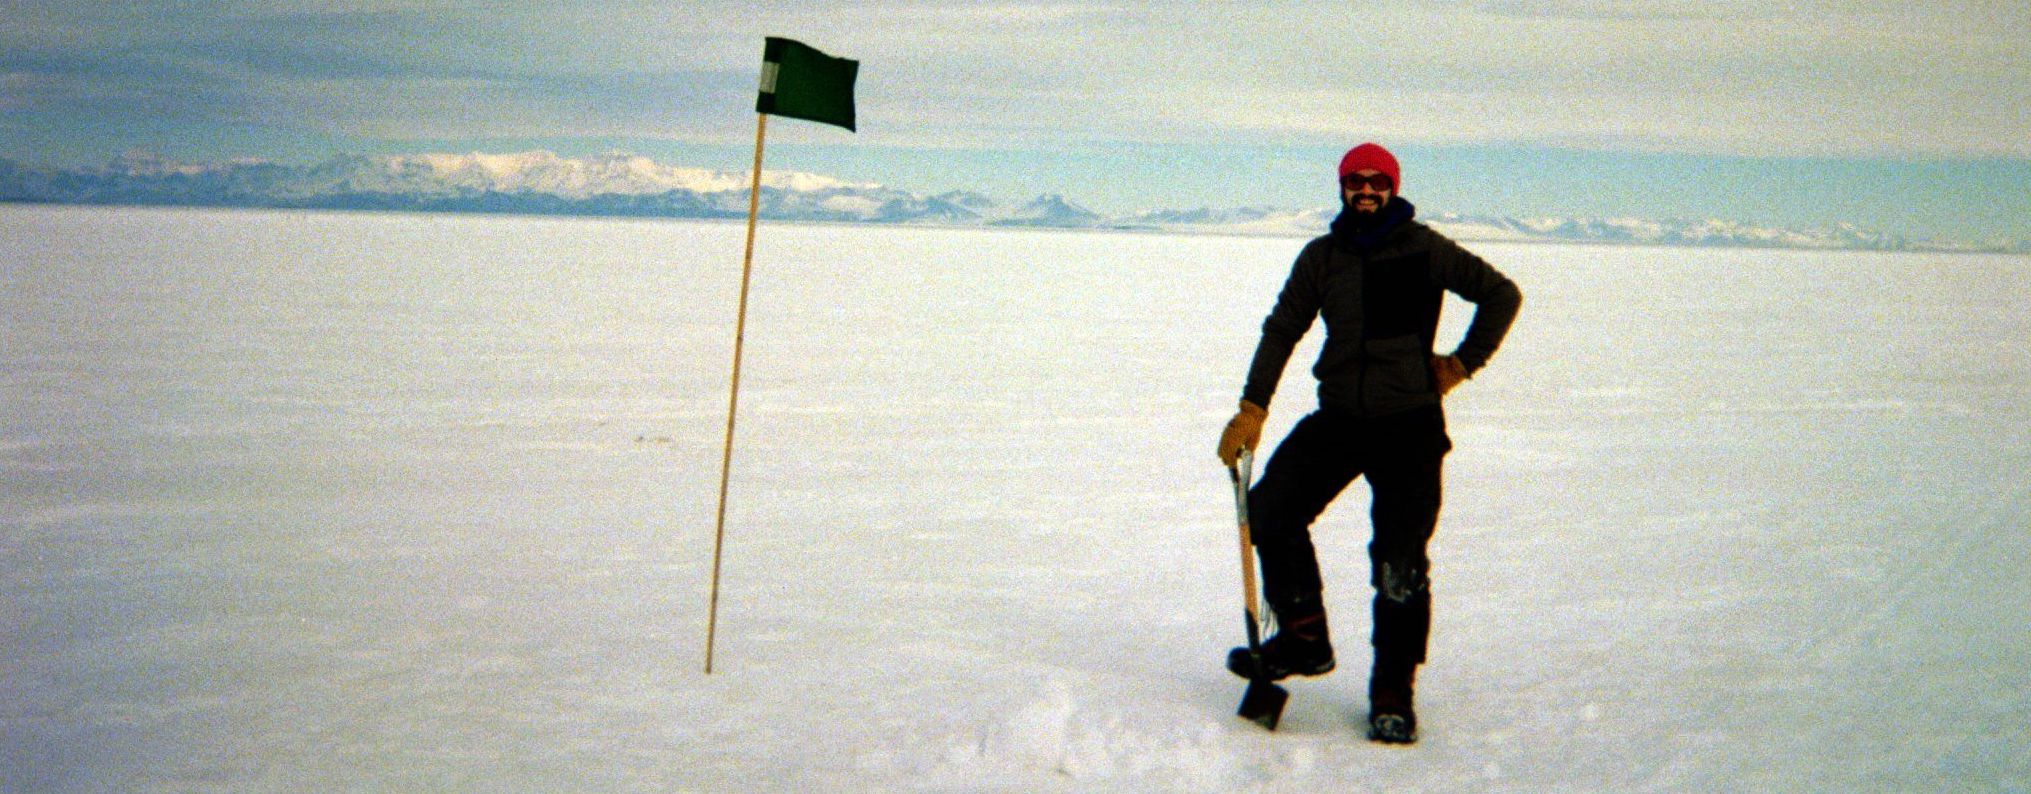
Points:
(733, 397)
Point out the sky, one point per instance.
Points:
(1910, 118)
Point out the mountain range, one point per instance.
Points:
(619, 184)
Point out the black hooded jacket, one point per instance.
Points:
(1379, 283)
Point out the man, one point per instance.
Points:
(1377, 280)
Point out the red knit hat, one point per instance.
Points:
(1372, 155)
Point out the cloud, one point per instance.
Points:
(117, 85)
(1813, 78)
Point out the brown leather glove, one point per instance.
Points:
(1244, 431)
(1448, 372)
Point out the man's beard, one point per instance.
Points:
(1374, 204)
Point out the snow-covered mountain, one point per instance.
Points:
(1051, 210)
(1685, 232)
(1266, 221)
(543, 182)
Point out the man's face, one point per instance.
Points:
(1366, 190)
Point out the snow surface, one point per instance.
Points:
(311, 501)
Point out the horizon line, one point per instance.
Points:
(142, 156)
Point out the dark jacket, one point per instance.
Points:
(1379, 289)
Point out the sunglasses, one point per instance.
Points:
(1380, 183)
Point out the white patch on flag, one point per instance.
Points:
(769, 76)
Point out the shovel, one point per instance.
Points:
(1263, 703)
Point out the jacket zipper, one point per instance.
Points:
(1361, 344)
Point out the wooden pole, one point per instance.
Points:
(733, 397)
(1241, 474)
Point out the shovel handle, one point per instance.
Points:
(1241, 473)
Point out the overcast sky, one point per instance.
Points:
(1908, 116)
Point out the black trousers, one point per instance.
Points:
(1400, 454)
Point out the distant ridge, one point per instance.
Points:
(621, 184)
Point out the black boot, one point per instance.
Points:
(1391, 719)
(1300, 646)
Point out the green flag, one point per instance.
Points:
(802, 83)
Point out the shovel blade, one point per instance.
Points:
(1263, 703)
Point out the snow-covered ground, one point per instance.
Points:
(309, 502)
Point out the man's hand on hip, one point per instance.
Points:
(1448, 372)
